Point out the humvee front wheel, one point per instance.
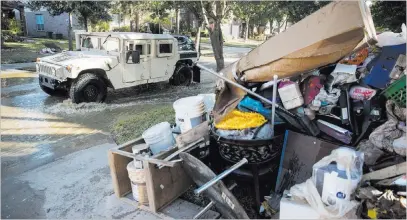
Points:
(88, 87)
(182, 75)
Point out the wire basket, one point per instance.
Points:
(397, 92)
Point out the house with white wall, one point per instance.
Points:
(38, 23)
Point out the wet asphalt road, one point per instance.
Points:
(37, 128)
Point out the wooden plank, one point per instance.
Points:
(165, 185)
(202, 130)
(139, 140)
(387, 172)
(138, 157)
(118, 172)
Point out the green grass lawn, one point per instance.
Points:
(130, 127)
(22, 52)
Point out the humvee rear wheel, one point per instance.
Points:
(88, 87)
(182, 75)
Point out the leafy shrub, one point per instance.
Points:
(100, 26)
(122, 29)
(14, 27)
(9, 36)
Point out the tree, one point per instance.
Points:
(297, 10)
(389, 14)
(94, 11)
(245, 10)
(213, 13)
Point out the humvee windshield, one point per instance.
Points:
(94, 43)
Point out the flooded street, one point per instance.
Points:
(37, 128)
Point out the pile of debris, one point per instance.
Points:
(336, 92)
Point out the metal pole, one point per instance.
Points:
(273, 107)
(237, 85)
(210, 204)
(220, 176)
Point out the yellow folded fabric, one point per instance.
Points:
(237, 120)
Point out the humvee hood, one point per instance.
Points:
(81, 58)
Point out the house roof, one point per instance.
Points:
(131, 35)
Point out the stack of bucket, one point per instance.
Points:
(138, 183)
(159, 137)
(189, 112)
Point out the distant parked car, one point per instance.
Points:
(185, 43)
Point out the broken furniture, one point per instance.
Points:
(212, 186)
(164, 185)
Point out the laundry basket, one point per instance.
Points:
(397, 92)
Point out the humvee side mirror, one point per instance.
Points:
(135, 56)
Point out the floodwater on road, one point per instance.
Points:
(37, 128)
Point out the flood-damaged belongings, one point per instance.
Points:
(334, 131)
(384, 136)
(342, 74)
(159, 137)
(299, 154)
(391, 59)
(361, 93)
(356, 58)
(224, 201)
(47, 50)
(330, 190)
(190, 112)
(397, 92)
(310, 88)
(327, 36)
(381, 205)
(290, 94)
(389, 38)
(249, 104)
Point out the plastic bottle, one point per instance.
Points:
(338, 178)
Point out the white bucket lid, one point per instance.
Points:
(157, 130)
(191, 102)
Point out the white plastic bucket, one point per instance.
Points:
(189, 112)
(159, 137)
(209, 100)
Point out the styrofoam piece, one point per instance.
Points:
(295, 209)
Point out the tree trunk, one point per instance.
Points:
(137, 22)
(85, 23)
(177, 18)
(271, 26)
(286, 22)
(70, 31)
(246, 34)
(217, 44)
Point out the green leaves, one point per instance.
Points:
(389, 14)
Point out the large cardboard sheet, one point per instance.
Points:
(323, 37)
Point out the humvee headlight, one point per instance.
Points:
(38, 59)
(69, 68)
